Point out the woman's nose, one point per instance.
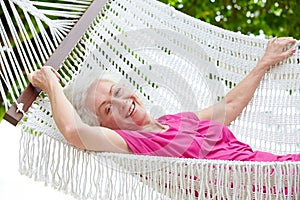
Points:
(119, 102)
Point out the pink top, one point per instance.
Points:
(188, 137)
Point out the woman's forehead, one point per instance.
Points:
(100, 85)
(98, 91)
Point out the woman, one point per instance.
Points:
(125, 127)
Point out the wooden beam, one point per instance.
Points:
(29, 95)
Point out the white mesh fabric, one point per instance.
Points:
(177, 63)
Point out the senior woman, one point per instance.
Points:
(124, 125)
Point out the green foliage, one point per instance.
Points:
(2, 112)
(258, 17)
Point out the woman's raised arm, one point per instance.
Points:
(68, 121)
(237, 99)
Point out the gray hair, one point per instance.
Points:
(76, 92)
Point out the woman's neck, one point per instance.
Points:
(155, 126)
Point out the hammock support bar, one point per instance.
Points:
(29, 95)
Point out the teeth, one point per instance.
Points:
(131, 109)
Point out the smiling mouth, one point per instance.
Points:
(132, 108)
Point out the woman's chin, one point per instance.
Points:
(142, 121)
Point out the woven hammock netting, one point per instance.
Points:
(174, 63)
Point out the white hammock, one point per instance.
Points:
(175, 63)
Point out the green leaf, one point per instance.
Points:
(2, 112)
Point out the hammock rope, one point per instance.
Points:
(30, 54)
(174, 63)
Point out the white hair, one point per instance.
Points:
(77, 92)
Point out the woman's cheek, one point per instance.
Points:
(140, 117)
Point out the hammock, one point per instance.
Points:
(174, 63)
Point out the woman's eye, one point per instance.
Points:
(117, 92)
(108, 108)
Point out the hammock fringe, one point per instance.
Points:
(90, 175)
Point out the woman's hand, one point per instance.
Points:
(44, 78)
(277, 50)
(238, 98)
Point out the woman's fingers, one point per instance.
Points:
(290, 51)
(287, 53)
(30, 77)
(283, 44)
(272, 40)
(283, 41)
(43, 77)
(288, 41)
(279, 49)
(54, 71)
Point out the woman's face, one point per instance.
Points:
(116, 106)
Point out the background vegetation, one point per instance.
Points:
(258, 17)
(266, 18)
